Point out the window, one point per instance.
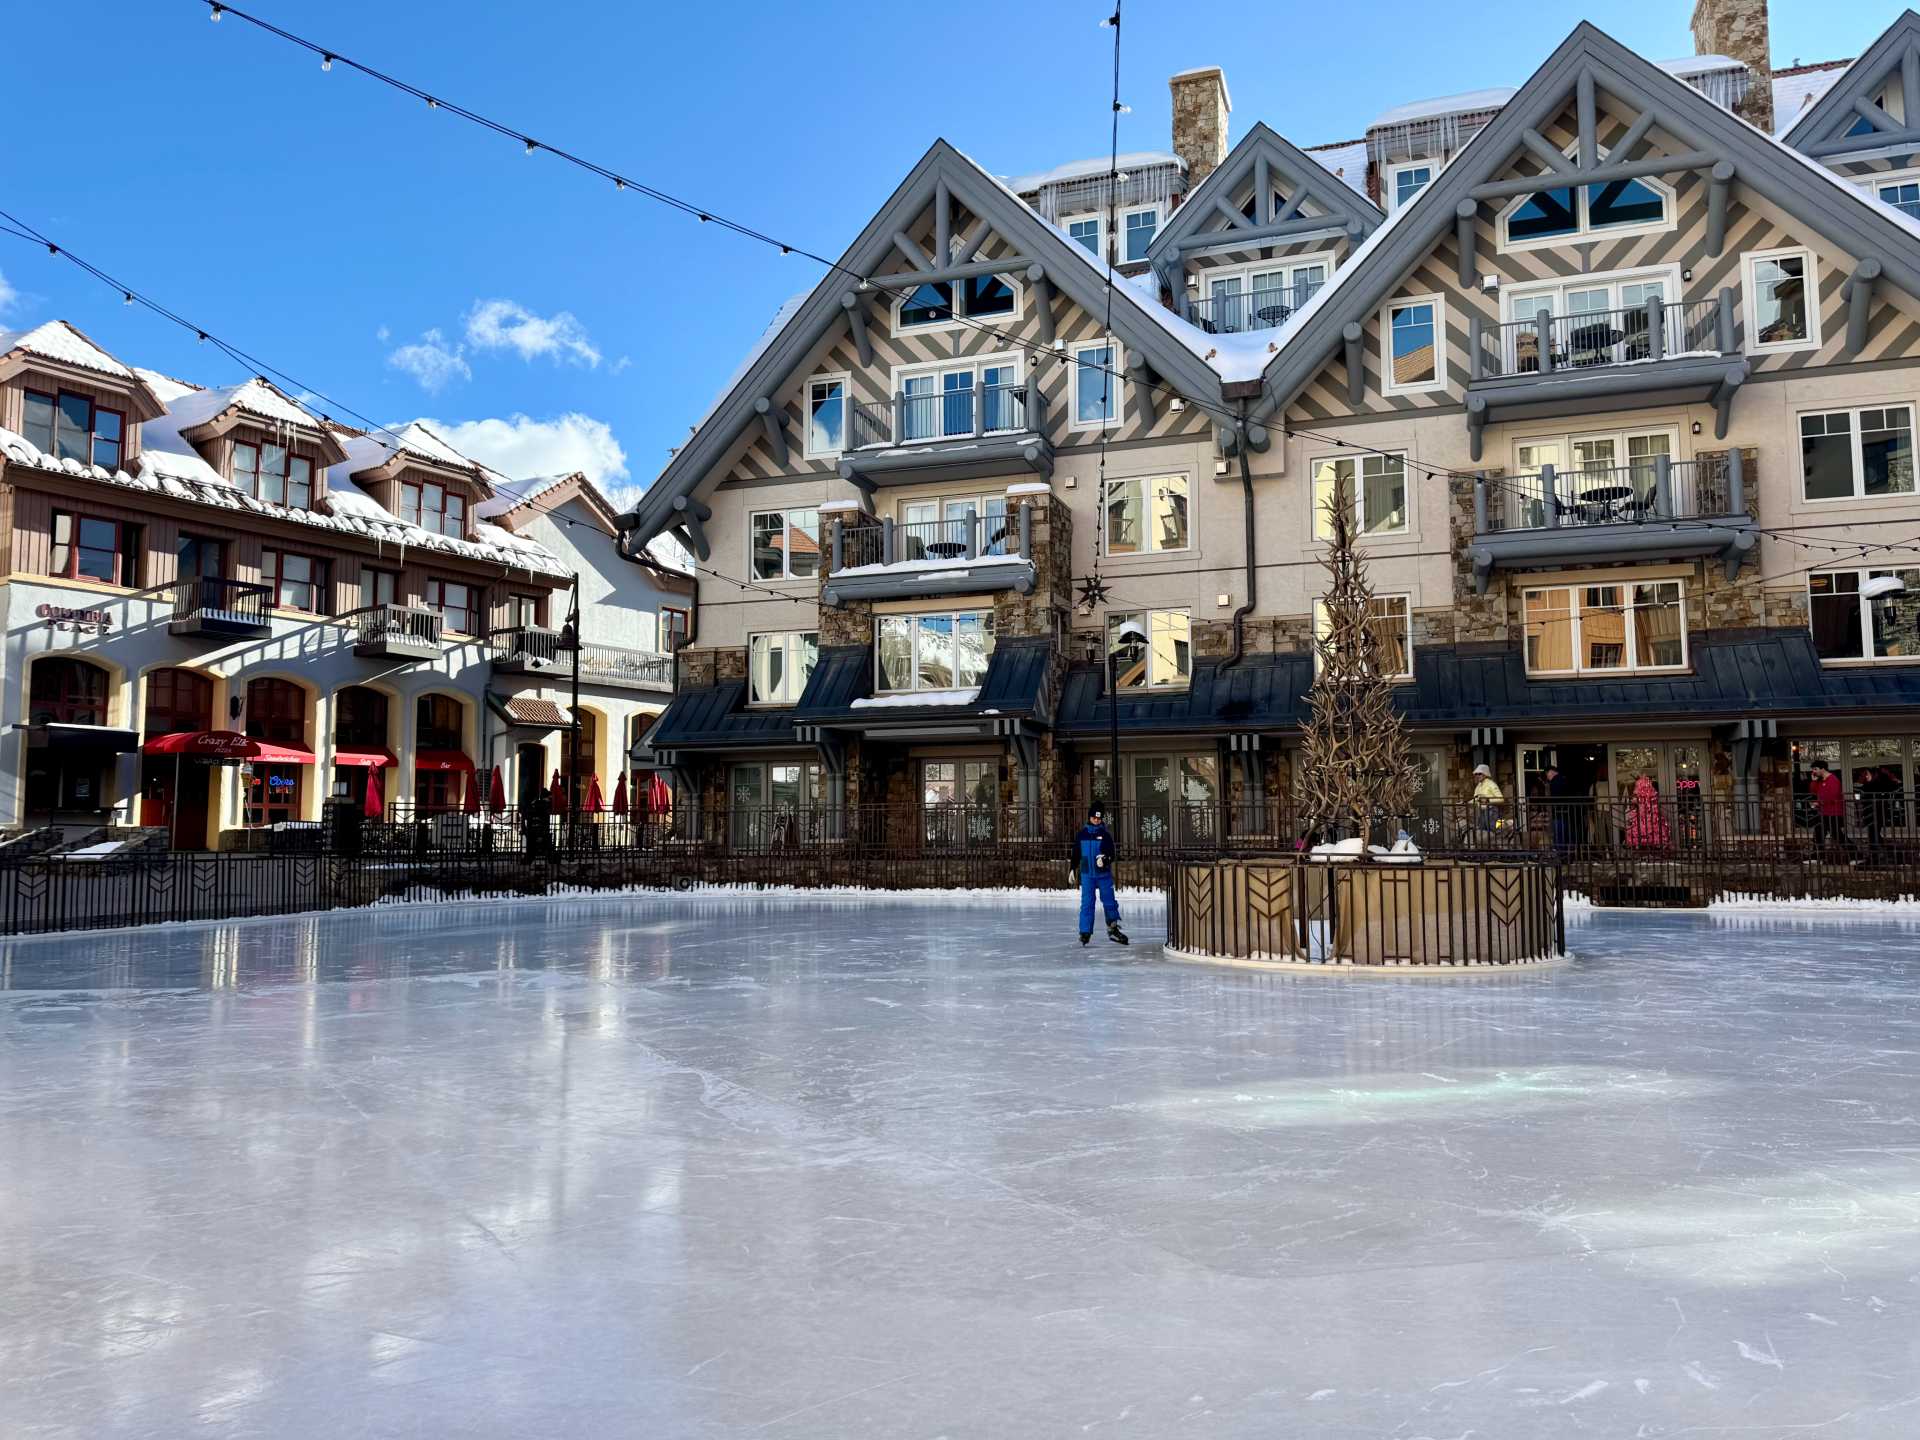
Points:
(940, 529)
(458, 604)
(433, 507)
(1610, 477)
(1598, 320)
(1261, 297)
(942, 303)
(1857, 454)
(66, 691)
(378, 587)
(1084, 230)
(1154, 648)
(949, 402)
(198, 558)
(359, 718)
(439, 723)
(1849, 625)
(1376, 486)
(72, 427)
(523, 612)
(932, 652)
(276, 711)
(674, 627)
(763, 801)
(1406, 180)
(1413, 330)
(1561, 212)
(1390, 618)
(177, 700)
(1583, 629)
(86, 548)
(785, 544)
(1140, 227)
(1145, 515)
(778, 666)
(1779, 315)
(270, 473)
(1900, 191)
(826, 415)
(1096, 385)
(298, 582)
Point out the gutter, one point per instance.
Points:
(1246, 491)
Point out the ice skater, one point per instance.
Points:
(1093, 859)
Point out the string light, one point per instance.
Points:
(326, 62)
(532, 145)
(216, 12)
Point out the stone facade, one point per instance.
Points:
(1201, 106)
(1738, 28)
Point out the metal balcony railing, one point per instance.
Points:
(405, 624)
(1658, 489)
(209, 600)
(528, 647)
(617, 665)
(1239, 311)
(965, 537)
(966, 412)
(1546, 344)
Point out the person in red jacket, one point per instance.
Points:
(1829, 809)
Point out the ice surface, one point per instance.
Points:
(691, 1167)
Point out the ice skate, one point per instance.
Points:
(1085, 938)
(1116, 934)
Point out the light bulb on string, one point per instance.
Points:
(326, 62)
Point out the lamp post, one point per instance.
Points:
(570, 638)
(1130, 631)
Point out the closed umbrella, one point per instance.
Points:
(659, 797)
(594, 803)
(496, 791)
(557, 796)
(376, 792)
(620, 795)
(472, 805)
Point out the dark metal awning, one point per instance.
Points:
(60, 735)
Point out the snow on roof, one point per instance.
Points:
(1087, 169)
(1346, 162)
(57, 340)
(1690, 65)
(1798, 90)
(370, 450)
(1461, 104)
(510, 494)
(671, 553)
(165, 387)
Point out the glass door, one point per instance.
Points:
(1228, 304)
(1635, 343)
(1526, 501)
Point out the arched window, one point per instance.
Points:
(360, 718)
(177, 700)
(439, 723)
(277, 711)
(66, 691)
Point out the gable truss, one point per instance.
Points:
(1824, 131)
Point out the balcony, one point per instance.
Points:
(967, 555)
(227, 609)
(529, 650)
(1243, 311)
(1554, 366)
(396, 632)
(1658, 509)
(963, 433)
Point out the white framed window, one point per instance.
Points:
(947, 402)
(1782, 300)
(827, 398)
(1390, 618)
(778, 666)
(1413, 335)
(1605, 629)
(1598, 320)
(1863, 454)
(1852, 620)
(1139, 227)
(1556, 214)
(1599, 476)
(1084, 230)
(1407, 179)
(939, 528)
(1262, 296)
(783, 544)
(1376, 487)
(950, 303)
(1898, 188)
(1146, 514)
(1153, 649)
(943, 651)
(1096, 385)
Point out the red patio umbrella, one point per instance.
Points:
(557, 796)
(620, 795)
(594, 803)
(376, 791)
(496, 791)
(659, 797)
(472, 805)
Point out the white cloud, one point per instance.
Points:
(383, 334)
(432, 362)
(505, 325)
(7, 295)
(521, 447)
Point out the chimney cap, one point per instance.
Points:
(1202, 72)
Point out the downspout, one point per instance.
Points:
(1246, 493)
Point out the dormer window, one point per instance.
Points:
(433, 507)
(270, 473)
(71, 427)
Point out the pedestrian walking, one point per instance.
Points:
(1829, 810)
(1489, 800)
(1093, 865)
(1560, 807)
(1647, 828)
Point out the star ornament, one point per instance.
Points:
(1093, 591)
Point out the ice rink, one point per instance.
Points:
(685, 1167)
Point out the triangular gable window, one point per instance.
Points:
(1563, 212)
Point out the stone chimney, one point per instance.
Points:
(1738, 28)
(1201, 106)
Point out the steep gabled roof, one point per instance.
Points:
(1291, 170)
(1181, 354)
(388, 452)
(1827, 204)
(199, 415)
(64, 345)
(1827, 120)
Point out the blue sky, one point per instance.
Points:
(412, 266)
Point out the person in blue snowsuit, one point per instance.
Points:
(1093, 861)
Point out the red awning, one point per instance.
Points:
(226, 745)
(441, 760)
(376, 759)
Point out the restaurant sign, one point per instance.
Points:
(84, 622)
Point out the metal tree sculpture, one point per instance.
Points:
(1357, 767)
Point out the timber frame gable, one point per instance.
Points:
(1701, 139)
(1850, 122)
(1312, 201)
(858, 294)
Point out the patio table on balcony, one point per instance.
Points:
(946, 549)
(1605, 503)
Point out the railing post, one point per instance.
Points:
(889, 542)
(1475, 360)
(1724, 322)
(1663, 486)
(979, 408)
(1480, 503)
(1549, 502)
(1543, 329)
(1656, 328)
(972, 540)
(1032, 421)
(1736, 482)
(899, 417)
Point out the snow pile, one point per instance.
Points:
(917, 697)
(1087, 169)
(1466, 103)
